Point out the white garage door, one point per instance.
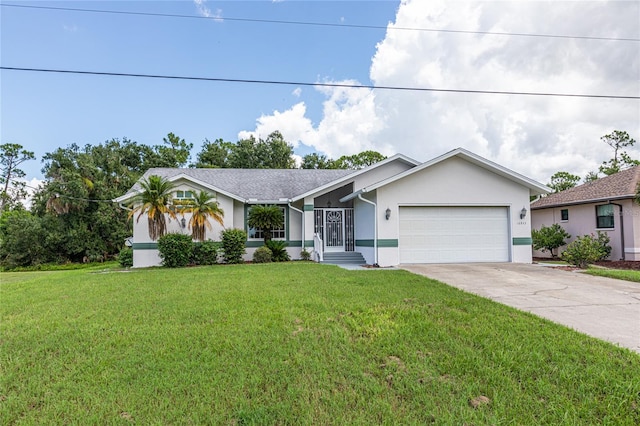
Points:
(453, 234)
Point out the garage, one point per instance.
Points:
(454, 234)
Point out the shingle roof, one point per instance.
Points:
(259, 184)
(617, 186)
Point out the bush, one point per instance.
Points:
(175, 250)
(205, 253)
(125, 258)
(549, 238)
(278, 250)
(603, 241)
(262, 255)
(305, 254)
(233, 245)
(587, 249)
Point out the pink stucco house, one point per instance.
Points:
(606, 204)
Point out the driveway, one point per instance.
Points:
(605, 308)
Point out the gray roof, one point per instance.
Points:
(618, 186)
(259, 184)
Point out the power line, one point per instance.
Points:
(298, 83)
(317, 24)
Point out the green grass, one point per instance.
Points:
(620, 274)
(292, 343)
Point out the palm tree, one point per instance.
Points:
(203, 207)
(154, 201)
(265, 218)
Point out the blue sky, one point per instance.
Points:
(534, 136)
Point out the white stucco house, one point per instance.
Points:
(458, 207)
(606, 205)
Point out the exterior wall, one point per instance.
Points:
(582, 221)
(453, 182)
(145, 251)
(364, 230)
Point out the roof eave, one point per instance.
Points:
(589, 201)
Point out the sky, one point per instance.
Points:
(532, 135)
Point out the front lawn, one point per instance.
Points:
(293, 343)
(621, 274)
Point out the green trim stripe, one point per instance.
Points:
(522, 241)
(381, 243)
(308, 207)
(145, 246)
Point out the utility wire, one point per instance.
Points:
(317, 24)
(319, 84)
(58, 195)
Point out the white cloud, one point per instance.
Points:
(70, 28)
(203, 10)
(297, 92)
(533, 135)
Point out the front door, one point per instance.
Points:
(334, 229)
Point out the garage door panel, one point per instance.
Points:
(453, 234)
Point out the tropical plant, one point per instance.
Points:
(233, 245)
(265, 218)
(175, 250)
(278, 250)
(203, 207)
(154, 201)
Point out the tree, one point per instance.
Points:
(561, 181)
(214, 154)
(21, 239)
(203, 207)
(549, 238)
(252, 153)
(359, 161)
(11, 156)
(590, 177)
(317, 161)
(174, 153)
(265, 218)
(621, 160)
(154, 202)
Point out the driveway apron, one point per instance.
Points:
(605, 308)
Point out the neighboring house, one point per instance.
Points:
(606, 204)
(458, 207)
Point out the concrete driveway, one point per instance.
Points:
(605, 308)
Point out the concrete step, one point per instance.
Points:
(342, 258)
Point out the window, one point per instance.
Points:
(564, 214)
(183, 198)
(184, 194)
(276, 234)
(604, 216)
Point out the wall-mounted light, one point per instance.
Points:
(387, 213)
(523, 213)
(183, 222)
(329, 204)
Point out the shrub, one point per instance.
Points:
(233, 245)
(262, 255)
(603, 242)
(586, 249)
(278, 250)
(125, 257)
(205, 253)
(305, 254)
(175, 250)
(549, 238)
